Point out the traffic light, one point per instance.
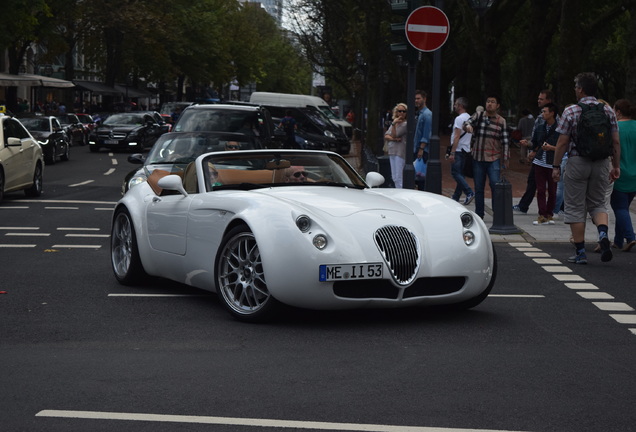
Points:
(403, 9)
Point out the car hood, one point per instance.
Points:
(117, 128)
(40, 135)
(335, 201)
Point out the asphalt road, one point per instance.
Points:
(547, 351)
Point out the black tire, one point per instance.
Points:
(36, 187)
(471, 303)
(124, 252)
(67, 153)
(53, 158)
(241, 284)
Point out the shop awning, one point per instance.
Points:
(29, 80)
(96, 87)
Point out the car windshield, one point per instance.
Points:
(86, 119)
(250, 170)
(186, 147)
(36, 124)
(125, 119)
(218, 120)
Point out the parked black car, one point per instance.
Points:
(133, 131)
(314, 130)
(73, 127)
(51, 136)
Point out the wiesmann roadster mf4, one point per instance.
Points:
(268, 228)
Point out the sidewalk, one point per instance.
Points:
(517, 175)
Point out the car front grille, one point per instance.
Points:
(400, 250)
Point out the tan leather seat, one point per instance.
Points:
(190, 183)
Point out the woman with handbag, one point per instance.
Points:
(395, 139)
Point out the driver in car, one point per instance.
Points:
(296, 174)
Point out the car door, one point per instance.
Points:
(167, 218)
(17, 158)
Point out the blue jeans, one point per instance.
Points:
(480, 171)
(457, 169)
(559, 192)
(624, 229)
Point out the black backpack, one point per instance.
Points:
(594, 132)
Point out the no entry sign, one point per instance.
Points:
(427, 28)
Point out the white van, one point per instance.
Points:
(299, 101)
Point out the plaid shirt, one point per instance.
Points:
(569, 120)
(491, 138)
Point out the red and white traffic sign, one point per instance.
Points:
(427, 28)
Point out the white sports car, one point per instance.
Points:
(264, 228)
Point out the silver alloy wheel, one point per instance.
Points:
(241, 278)
(121, 245)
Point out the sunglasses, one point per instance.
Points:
(401, 110)
(233, 147)
(298, 174)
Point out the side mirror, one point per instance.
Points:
(172, 182)
(136, 158)
(14, 142)
(374, 179)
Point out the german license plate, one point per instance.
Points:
(335, 272)
(111, 141)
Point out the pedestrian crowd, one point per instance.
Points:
(595, 141)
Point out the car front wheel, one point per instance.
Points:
(240, 278)
(124, 252)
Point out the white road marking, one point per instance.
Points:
(14, 207)
(27, 234)
(545, 261)
(104, 208)
(537, 254)
(595, 295)
(61, 208)
(633, 330)
(557, 269)
(114, 161)
(19, 228)
(255, 422)
(524, 244)
(63, 246)
(517, 295)
(17, 245)
(584, 285)
(529, 249)
(81, 183)
(77, 229)
(613, 306)
(624, 318)
(568, 278)
(110, 171)
(87, 235)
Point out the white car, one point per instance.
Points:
(21, 160)
(301, 228)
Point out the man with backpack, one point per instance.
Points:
(589, 133)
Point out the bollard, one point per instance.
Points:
(503, 222)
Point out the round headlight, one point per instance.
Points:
(329, 134)
(135, 180)
(303, 223)
(467, 220)
(320, 242)
(469, 238)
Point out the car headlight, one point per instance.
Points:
(320, 241)
(329, 134)
(136, 179)
(467, 220)
(303, 223)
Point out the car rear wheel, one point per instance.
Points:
(124, 252)
(240, 278)
(36, 188)
(51, 160)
